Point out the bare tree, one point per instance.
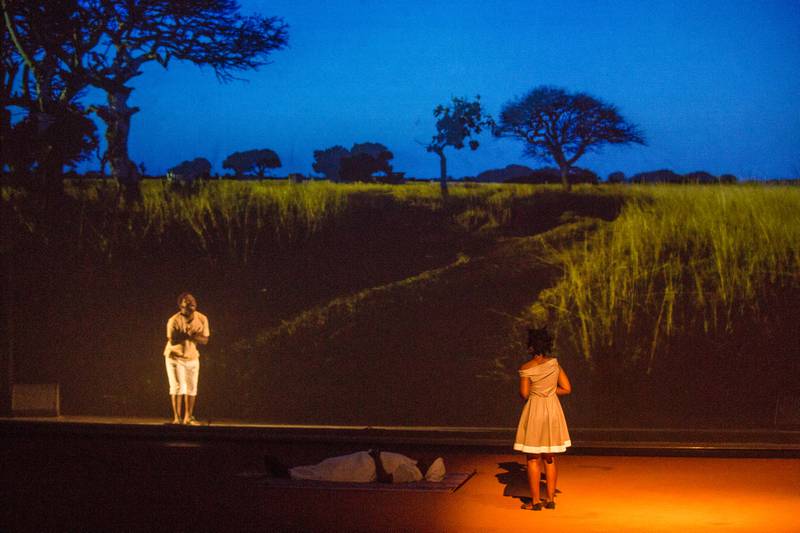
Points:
(564, 126)
(455, 124)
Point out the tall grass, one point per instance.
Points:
(677, 259)
(222, 219)
(236, 220)
(240, 217)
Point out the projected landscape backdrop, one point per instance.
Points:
(371, 239)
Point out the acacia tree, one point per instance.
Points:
(205, 32)
(252, 160)
(562, 126)
(37, 38)
(55, 131)
(115, 38)
(455, 124)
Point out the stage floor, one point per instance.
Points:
(723, 442)
(88, 473)
(67, 477)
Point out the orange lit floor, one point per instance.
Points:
(65, 482)
(609, 494)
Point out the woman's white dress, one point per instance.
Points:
(542, 427)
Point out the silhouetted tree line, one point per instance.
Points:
(668, 176)
(545, 175)
(367, 162)
(550, 175)
(52, 52)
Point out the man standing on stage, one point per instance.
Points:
(185, 330)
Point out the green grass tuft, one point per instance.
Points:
(677, 258)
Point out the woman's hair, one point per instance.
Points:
(539, 340)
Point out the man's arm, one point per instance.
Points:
(177, 337)
(198, 338)
(201, 337)
(171, 330)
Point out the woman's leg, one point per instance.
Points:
(551, 473)
(534, 473)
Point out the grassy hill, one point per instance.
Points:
(386, 305)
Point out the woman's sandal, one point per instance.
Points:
(550, 505)
(531, 506)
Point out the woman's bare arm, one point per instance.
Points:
(563, 388)
(524, 387)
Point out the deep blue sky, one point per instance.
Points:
(714, 85)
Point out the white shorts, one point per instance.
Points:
(182, 375)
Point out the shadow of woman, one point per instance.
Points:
(515, 479)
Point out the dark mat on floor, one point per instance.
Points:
(451, 482)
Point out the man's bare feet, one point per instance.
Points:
(191, 421)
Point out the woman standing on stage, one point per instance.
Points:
(542, 429)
